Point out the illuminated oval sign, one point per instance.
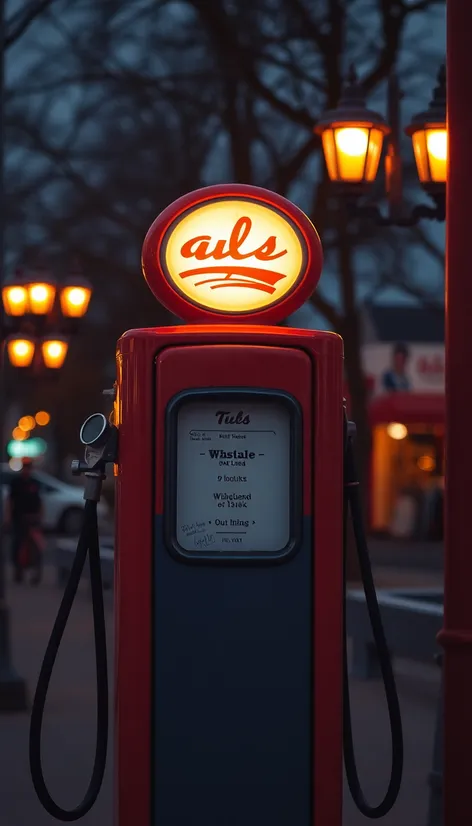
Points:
(233, 251)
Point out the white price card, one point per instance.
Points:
(233, 476)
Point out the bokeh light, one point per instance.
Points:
(26, 423)
(397, 431)
(42, 418)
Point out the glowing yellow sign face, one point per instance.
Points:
(233, 255)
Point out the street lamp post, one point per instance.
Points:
(38, 324)
(353, 137)
(34, 331)
(13, 695)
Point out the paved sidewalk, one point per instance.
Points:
(69, 728)
(398, 577)
(70, 722)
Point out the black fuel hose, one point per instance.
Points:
(352, 503)
(88, 542)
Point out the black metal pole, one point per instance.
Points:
(393, 160)
(13, 695)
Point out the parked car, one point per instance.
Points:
(63, 504)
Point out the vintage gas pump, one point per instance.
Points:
(234, 475)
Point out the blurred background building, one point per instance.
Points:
(407, 420)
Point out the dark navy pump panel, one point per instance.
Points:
(233, 671)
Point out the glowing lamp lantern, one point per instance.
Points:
(20, 350)
(75, 296)
(352, 138)
(15, 299)
(15, 295)
(54, 352)
(428, 133)
(41, 293)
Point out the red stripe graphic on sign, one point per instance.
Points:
(255, 276)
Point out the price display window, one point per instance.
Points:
(234, 474)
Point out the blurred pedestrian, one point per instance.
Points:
(395, 379)
(24, 514)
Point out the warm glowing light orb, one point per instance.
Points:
(77, 296)
(54, 349)
(397, 431)
(15, 300)
(75, 301)
(42, 418)
(39, 292)
(352, 141)
(26, 423)
(41, 297)
(426, 463)
(17, 295)
(20, 351)
(437, 144)
(54, 352)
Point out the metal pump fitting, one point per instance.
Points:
(101, 447)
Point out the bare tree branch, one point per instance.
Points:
(421, 5)
(436, 252)
(164, 83)
(219, 27)
(25, 22)
(428, 300)
(327, 310)
(62, 161)
(289, 170)
(309, 27)
(393, 21)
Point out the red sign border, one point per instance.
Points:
(181, 306)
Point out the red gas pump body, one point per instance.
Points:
(154, 366)
(229, 534)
